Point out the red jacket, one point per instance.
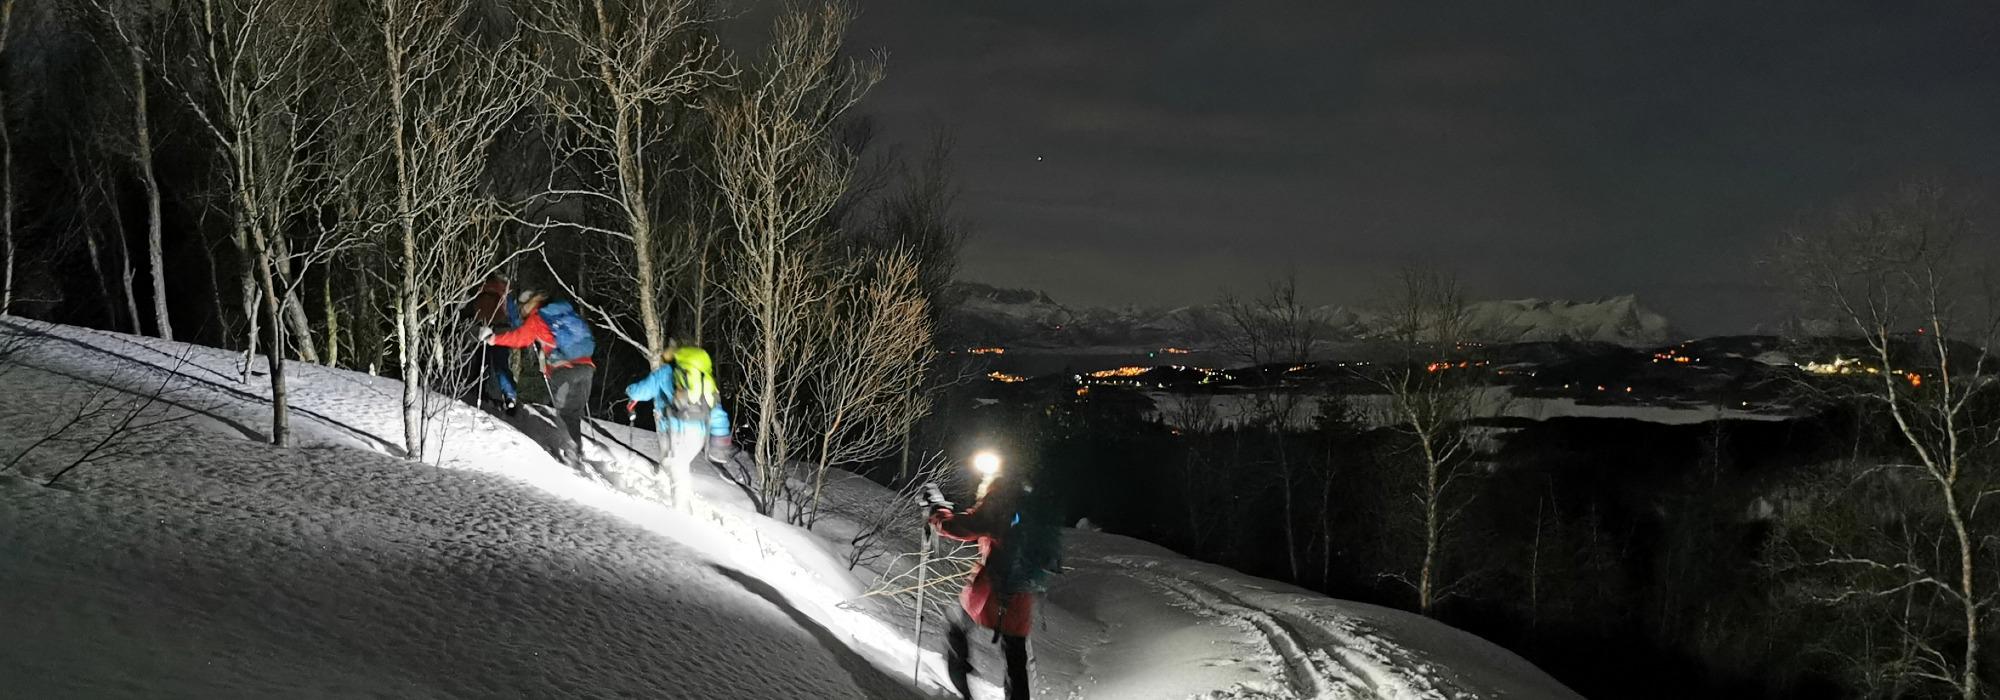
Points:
(980, 599)
(535, 332)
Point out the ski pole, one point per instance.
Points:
(479, 383)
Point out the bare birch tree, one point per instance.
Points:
(96, 191)
(245, 81)
(878, 336)
(1431, 400)
(1274, 334)
(444, 102)
(1906, 279)
(781, 173)
(922, 217)
(127, 23)
(619, 76)
(246, 84)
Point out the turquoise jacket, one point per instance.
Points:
(658, 388)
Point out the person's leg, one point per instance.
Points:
(958, 654)
(500, 363)
(499, 377)
(572, 389)
(720, 448)
(1017, 666)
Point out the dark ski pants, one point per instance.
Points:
(958, 657)
(569, 388)
(499, 376)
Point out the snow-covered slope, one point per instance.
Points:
(194, 561)
(1029, 319)
(211, 565)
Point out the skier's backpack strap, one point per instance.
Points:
(573, 338)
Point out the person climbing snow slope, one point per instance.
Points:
(684, 398)
(495, 308)
(564, 342)
(1019, 547)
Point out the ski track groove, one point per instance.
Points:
(1319, 661)
(1302, 674)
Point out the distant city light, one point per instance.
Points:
(1120, 372)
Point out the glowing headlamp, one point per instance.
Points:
(986, 463)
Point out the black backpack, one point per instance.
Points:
(1030, 549)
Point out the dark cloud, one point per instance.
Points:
(1574, 149)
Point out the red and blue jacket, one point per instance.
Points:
(534, 332)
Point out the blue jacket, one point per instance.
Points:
(658, 388)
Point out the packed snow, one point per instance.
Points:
(190, 559)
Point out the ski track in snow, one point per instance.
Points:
(1320, 660)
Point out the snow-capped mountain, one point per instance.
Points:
(990, 315)
(1619, 319)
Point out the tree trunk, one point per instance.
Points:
(377, 347)
(768, 412)
(89, 234)
(700, 295)
(1431, 525)
(301, 331)
(280, 251)
(406, 292)
(275, 352)
(1326, 531)
(332, 356)
(221, 304)
(632, 191)
(6, 174)
(1535, 574)
(125, 274)
(1969, 597)
(1289, 488)
(6, 204)
(247, 281)
(143, 162)
(413, 378)
(903, 450)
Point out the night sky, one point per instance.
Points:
(1157, 152)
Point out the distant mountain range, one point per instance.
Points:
(1019, 318)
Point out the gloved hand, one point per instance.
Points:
(486, 335)
(930, 498)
